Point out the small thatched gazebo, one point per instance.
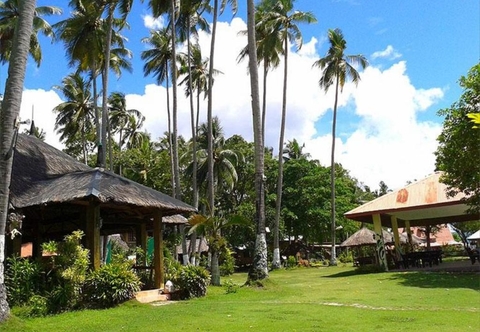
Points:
(57, 195)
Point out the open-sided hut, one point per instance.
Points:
(58, 194)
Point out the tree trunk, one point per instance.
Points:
(10, 109)
(105, 72)
(333, 258)
(215, 269)
(210, 179)
(259, 269)
(278, 203)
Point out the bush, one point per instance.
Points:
(110, 285)
(191, 281)
(291, 262)
(22, 279)
(345, 257)
(228, 263)
(230, 287)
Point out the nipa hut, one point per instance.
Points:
(57, 194)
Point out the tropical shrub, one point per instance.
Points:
(345, 257)
(227, 266)
(291, 262)
(230, 287)
(110, 285)
(191, 281)
(22, 279)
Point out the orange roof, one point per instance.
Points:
(423, 202)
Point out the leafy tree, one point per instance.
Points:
(75, 115)
(337, 68)
(9, 15)
(10, 109)
(458, 150)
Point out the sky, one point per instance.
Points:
(387, 126)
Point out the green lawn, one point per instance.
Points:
(303, 299)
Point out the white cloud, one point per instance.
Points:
(385, 141)
(153, 23)
(388, 53)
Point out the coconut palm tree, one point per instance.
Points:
(157, 62)
(75, 116)
(294, 151)
(122, 121)
(10, 109)
(216, 11)
(82, 35)
(9, 14)
(337, 68)
(259, 268)
(281, 20)
(110, 6)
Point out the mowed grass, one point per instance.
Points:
(304, 299)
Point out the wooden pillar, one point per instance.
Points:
(159, 281)
(141, 240)
(396, 236)
(377, 227)
(409, 235)
(92, 233)
(37, 241)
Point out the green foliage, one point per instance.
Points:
(22, 279)
(458, 150)
(230, 287)
(110, 285)
(291, 262)
(191, 281)
(227, 266)
(345, 256)
(66, 272)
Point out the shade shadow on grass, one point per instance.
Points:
(438, 280)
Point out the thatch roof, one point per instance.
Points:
(422, 203)
(175, 219)
(44, 175)
(365, 236)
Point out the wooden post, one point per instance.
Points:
(377, 226)
(396, 236)
(159, 281)
(141, 239)
(93, 233)
(409, 235)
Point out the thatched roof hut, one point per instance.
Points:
(51, 187)
(365, 237)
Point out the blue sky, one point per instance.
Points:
(387, 126)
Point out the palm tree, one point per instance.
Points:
(225, 160)
(189, 17)
(157, 62)
(259, 268)
(10, 109)
(216, 12)
(124, 7)
(9, 14)
(281, 19)
(75, 116)
(337, 68)
(269, 47)
(294, 151)
(125, 122)
(82, 35)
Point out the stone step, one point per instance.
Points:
(152, 295)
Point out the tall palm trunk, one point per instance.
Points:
(193, 237)
(259, 269)
(105, 72)
(176, 166)
(264, 97)
(210, 179)
(170, 143)
(278, 203)
(10, 109)
(333, 258)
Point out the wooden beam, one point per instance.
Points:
(93, 233)
(159, 281)
(396, 236)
